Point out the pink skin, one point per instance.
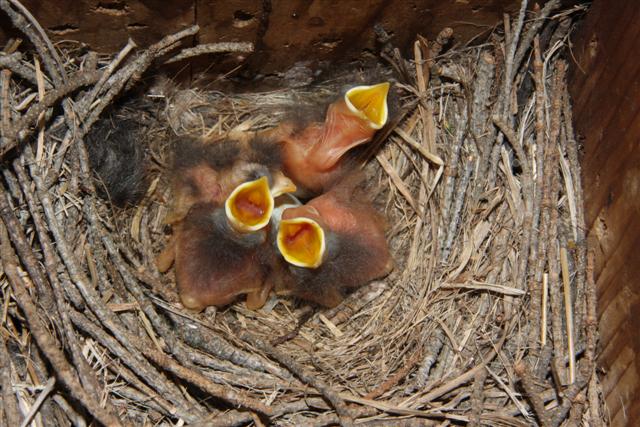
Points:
(312, 157)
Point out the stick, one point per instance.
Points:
(533, 31)
(537, 254)
(23, 127)
(477, 398)
(543, 321)
(340, 406)
(89, 381)
(568, 312)
(10, 405)
(203, 49)
(44, 340)
(47, 52)
(48, 388)
(552, 232)
(395, 378)
(532, 393)
(14, 63)
(456, 216)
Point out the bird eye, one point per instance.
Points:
(256, 172)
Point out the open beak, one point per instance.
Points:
(370, 103)
(301, 242)
(250, 205)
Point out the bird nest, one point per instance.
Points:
(487, 318)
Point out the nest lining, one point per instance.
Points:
(480, 181)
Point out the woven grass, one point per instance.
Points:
(487, 319)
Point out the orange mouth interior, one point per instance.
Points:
(371, 101)
(250, 205)
(301, 242)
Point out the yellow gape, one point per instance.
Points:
(370, 103)
(250, 205)
(301, 242)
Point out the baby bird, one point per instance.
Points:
(207, 172)
(312, 155)
(333, 243)
(221, 251)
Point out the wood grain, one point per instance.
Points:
(606, 91)
(318, 33)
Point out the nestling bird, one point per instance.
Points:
(331, 244)
(221, 251)
(223, 199)
(312, 154)
(117, 147)
(217, 189)
(208, 171)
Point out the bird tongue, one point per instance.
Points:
(250, 209)
(301, 242)
(250, 205)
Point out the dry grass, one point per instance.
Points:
(481, 185)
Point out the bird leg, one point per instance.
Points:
(165, 259)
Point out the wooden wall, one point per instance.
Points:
(605, 88)
(606, 91)
(284, 31)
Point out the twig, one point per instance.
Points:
(23, 127)
(533, 31)
(537, 252)
(518, 148)
(14, 63)
(432, 349)
(203, 49)
(45, 342)
(46, 51)
(130, 74)
(48, 388)
(593, 401)
(552, 232)
(532, 393)
(10, 406)
(341, 408)
(456, 217)
(74, 417)
(451, 173)
(88, 293)
(87, 377)
(200, 337)
(510, 69)
(163, 389)
(581, 252)
(544, 310)
(479, 111)
(31, 264)
(395, 378)
(477, 398)
(467, 376)
(107, 72)
(568, 312)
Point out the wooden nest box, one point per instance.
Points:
(605, 87)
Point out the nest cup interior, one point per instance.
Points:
(485, 317)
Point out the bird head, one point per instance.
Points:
(250, 205)
(369, 103)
